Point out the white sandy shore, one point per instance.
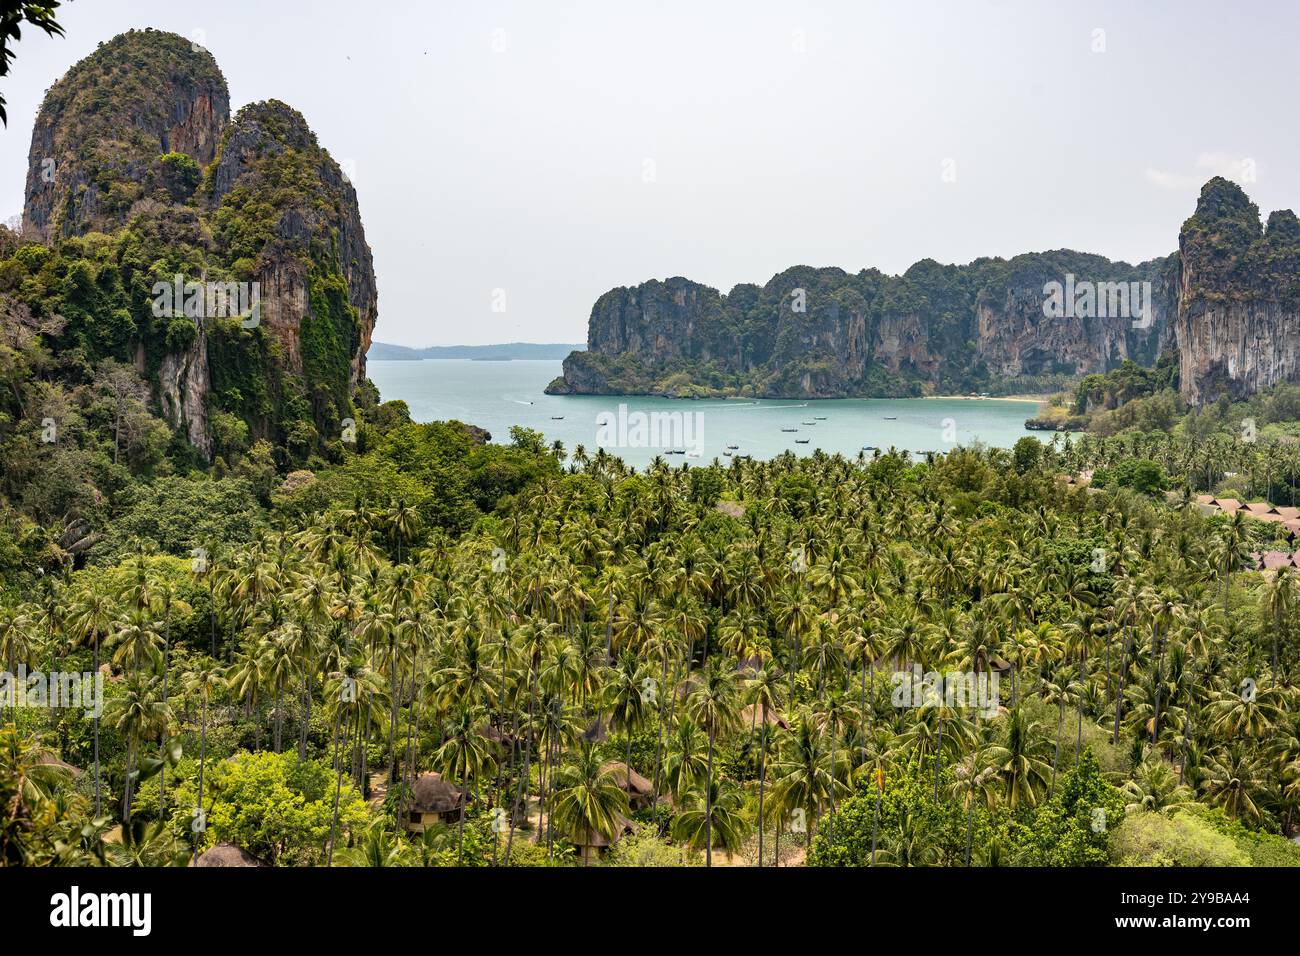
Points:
(993, 398)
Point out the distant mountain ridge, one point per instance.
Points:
(386, 352)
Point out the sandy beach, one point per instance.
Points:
(992, 398)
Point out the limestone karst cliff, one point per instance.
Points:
(1225, 303)
(105, 123)
(1238, 327)
(822, 333)
(137, 174)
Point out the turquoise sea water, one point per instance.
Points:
(497, 395)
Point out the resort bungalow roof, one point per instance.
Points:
(1287, 513)
(1258, 508)
(594, 838)
(1272, 560)
(633, 783)
(431, 794)
(751, 717)
(1228, 504)
(227, 854)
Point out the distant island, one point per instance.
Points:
(385, 352)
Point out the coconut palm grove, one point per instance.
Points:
(445, 653)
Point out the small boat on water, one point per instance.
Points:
(789, 429)
(733, 447)
(728, 453)
(557, 418)
(820, 418)
(868, 447)
(891, 418)
(802, 441)
(810, 423)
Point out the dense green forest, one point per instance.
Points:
(681, 666)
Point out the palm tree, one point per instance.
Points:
(1062, 691)
(764, 695)
(91, 621)
(629, 701)
(140, 712)
(803, 771)
(911, 845)
(1236, 781)
(1279, 603)
(974, 781)
(588, 799)
(709, 820)
(1154, 788)
(834, 715)
(465, 757)
(15, 646)
(714, 704)
(686, 759)
(202, 681)
(378, 847)
(1019, 760)
(167, 601)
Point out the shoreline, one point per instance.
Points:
(1037, 399)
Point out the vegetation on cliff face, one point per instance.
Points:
(282, 212)
(109, 214)
(1230, 254)
(826, 333)
(100, 387)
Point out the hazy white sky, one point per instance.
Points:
(506, 145)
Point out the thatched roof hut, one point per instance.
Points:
(227, 854)
(433, 800)
(431, 794)
(752, 717)
(502, 740)
(639, 790)
(591, 843)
